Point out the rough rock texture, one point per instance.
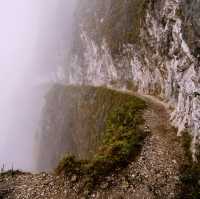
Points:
(150, 46)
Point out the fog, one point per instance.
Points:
(34, 38)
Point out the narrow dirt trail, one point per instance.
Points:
(153, 175)
(156, 173)
(161, 156)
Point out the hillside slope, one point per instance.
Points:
(154, 174)
(74, 120)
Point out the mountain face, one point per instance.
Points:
(149, 46)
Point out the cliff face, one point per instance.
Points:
(149, 46)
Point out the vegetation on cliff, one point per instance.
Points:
(121, 140)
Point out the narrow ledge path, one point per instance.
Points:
(154, 174)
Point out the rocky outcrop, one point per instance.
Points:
(149, 46)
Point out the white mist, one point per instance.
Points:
(34, 35)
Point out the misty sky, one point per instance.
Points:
(34, 35)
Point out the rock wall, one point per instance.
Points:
(150, 46)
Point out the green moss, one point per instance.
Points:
(190, 173)
(120, 141)
(131, 86)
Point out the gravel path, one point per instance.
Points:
(155, 174)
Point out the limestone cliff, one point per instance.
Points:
(150, 46)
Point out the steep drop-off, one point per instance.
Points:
(155, 173)
(147, 46)
(150, 46)
(75, 120)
